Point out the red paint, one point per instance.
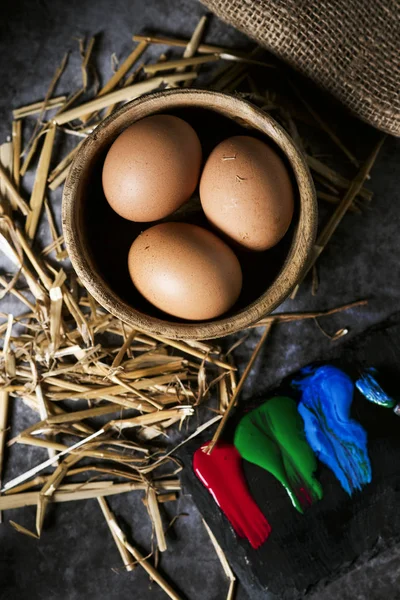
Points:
(221, 473)
(304, 497)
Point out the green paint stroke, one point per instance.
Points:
(272, 437)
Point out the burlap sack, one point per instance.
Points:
(349, 47)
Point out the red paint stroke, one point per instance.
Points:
(221, 473)
(304, 497)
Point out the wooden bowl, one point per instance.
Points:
(98, 240)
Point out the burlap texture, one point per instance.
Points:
(349, 47)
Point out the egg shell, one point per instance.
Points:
(152, 168)
(246, 193)
(185, 270)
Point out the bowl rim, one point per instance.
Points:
(300, 249)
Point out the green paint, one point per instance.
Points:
(272, 437)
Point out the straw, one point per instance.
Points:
(122, 95)
(242, 380)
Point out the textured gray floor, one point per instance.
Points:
(75, 558)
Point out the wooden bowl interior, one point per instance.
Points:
(98, 239)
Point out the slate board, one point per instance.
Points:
(306, 552)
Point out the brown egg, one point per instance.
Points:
(246, 192)
(152, 168)
(185, 270)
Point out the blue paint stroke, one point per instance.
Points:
(338, 441)
(369, 387)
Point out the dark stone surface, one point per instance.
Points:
(75, 557)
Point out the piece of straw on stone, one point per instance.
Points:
(154, 513)
(347, 200)
(39, 187)
(40, 127)
(109, 517)
(119, 74)
(36, 107)
(85, 55)
(122, 95)
(224, 562)
(17, 143)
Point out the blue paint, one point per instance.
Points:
(338, 441)
(369, 387)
